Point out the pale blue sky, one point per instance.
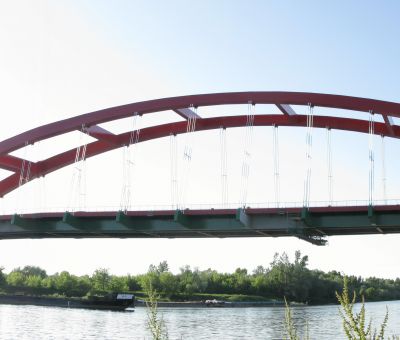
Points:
(65, 58)
(341, 46)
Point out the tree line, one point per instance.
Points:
(281, 278)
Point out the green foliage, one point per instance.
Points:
(69, 285)
(290, 328)
(15, 278)
(33, 271)
(64, 282)
(133, 283)
(163, 267)
(33, 281)
(168, 284)
(192, 281)
(101, 280)
(281, 278)
(3, 276)
(155, 323)
(293, 280)
(354, 323)
(118, 284)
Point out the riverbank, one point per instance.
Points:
(121, 304)
(212, 304)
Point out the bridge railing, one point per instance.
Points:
(206, 206)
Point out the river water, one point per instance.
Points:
(31, 322)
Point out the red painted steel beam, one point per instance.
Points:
(290, 98)
(99, 133)
(12, 163)
(61, 160)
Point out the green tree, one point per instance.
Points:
(65, 283)
(300, 283)
(279, 275)
(83, 286)
(241, 281)
(259, 285)
(33, 281)
(133, 283)
(163, 267)
(260, 270)
(101, 279)
(191, 281)
(3, 277)
(15, 279)
(118, 284)
(150, 280)
(169, 284)
(33, 271)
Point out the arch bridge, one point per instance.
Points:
(312, 224)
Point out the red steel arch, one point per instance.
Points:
(107, 141)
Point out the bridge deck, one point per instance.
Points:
(313, 224)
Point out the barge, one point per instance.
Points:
(115, 301)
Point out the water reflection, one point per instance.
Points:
(30, 322)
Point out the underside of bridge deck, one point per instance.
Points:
(313, 224)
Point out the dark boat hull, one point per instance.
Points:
(97, 303)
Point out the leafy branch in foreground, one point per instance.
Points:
(290, 328)
(354, 323)
(155, 323)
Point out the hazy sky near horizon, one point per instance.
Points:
(60, 59)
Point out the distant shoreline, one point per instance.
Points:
(265, 286)
(222, 304)
(46, 301)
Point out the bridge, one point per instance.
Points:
(307, 222)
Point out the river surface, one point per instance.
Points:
(31, 322)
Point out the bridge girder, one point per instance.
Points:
(219, 223)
